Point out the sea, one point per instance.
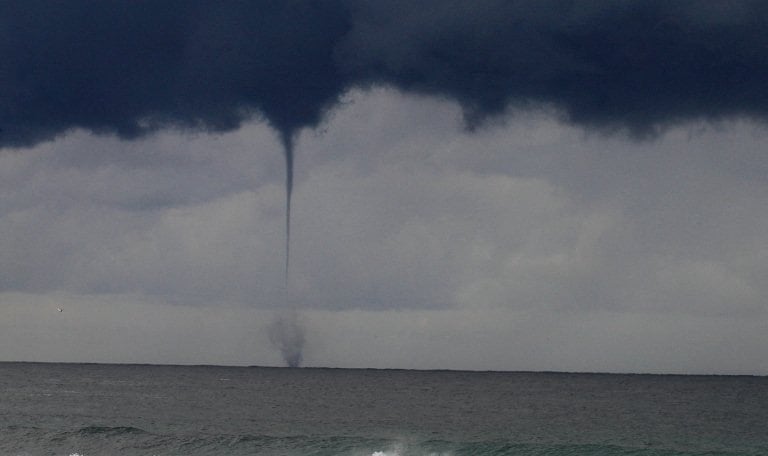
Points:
(103, 409)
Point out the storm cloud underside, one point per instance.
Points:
(131, 68)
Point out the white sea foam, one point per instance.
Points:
(395, 450)
(399, 453)
(401, 449)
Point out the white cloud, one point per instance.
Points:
(527, 245)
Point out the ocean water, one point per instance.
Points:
(93, 409)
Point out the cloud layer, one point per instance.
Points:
(524, 246)
(539, 243)
(532, 214)
(134, 67)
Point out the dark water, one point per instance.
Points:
(64, 409)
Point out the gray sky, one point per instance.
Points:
(533, 185)
(526, 245)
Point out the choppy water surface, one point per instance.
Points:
(65, 409)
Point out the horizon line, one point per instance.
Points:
(489, 371)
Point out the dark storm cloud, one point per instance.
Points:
(133, 67)
(607, 64)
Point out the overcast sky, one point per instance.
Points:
(582, 187)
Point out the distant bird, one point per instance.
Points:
(59, 309)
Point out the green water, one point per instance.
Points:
(65, 409)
